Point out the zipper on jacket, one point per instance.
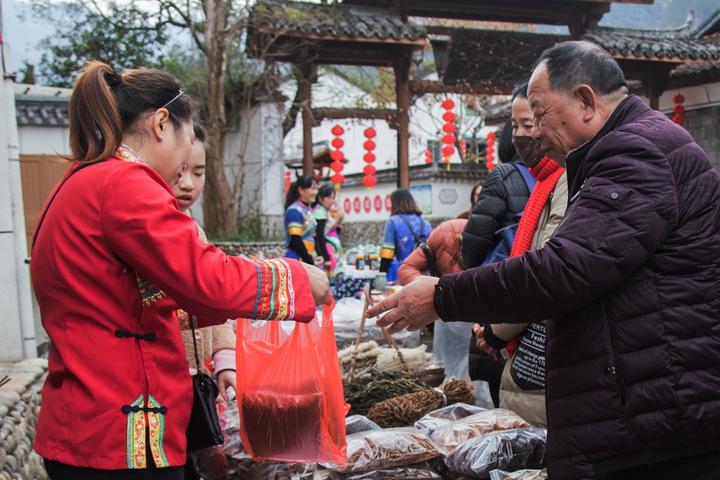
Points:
(613, 369)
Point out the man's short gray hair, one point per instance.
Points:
(573, 63)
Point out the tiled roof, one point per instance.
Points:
(676, 44)
(334, 20)
(38, 105)
(48, 112)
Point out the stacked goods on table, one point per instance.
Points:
(409, 408)
(477, 442)
(348, 315)
(372, 359)
(519, 475)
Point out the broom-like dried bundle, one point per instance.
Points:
(405, 410)
(386, 385)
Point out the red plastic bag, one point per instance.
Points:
(290, 393)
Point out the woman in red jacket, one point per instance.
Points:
(113, 259)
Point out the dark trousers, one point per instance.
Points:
(700, 467)
(61, 471)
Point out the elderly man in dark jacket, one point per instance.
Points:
(631, 279)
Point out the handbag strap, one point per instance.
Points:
(54, 194)
(193, 326)
(430, 256)
(412, 232)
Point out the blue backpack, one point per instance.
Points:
(506, 235)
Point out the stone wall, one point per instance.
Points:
(253, 249)
(359, 233)
(19, 406)
(704, 125)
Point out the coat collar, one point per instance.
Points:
(577, 159)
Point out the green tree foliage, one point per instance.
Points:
(123, 38)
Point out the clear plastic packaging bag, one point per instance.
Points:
(290, 392)
(450, 341)
(507, 450)
(385, 449)
(445, 415)
(347, 316)
(285, 471)
(230, 424)
(449, 436)
(359, 423)
(519, 475)
(409, 473)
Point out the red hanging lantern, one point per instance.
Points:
(679, 109)
(288, 181)
(337, 156)
(463, 148)
(369, 180)
(449, 128)
(369, 170)
(428, 157)
(490, 151)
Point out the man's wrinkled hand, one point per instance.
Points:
(319, 284)
(411, 308)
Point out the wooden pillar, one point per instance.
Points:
(402, 99)
(652, 91)
(305, 85)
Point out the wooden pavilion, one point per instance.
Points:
(379, 33)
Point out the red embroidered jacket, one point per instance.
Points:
(114, 259)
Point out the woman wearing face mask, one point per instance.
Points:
(300, 223)
(522, 386)
(112, 260)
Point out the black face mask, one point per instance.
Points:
(528, 149)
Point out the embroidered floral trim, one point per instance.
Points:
(156, 425)
(136, 449)
(126, 153)
(183, 319)
(275, 299)
(149, 292)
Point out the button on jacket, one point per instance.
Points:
(631, 279)
(113, 261)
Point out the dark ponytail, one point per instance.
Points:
(303, 181)
(105, 105)
(95, 125)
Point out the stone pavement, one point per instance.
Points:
(19, 406)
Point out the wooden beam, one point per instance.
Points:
(305, 86)
(320, 114)
(422, 87)
(402, 94)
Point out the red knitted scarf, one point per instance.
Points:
(547, 172)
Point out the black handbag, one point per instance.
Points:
(204, 430)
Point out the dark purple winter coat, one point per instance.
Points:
(631, 279)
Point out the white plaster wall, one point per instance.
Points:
(701, 96)
(16, 318)
(447, 199)
(44, 140)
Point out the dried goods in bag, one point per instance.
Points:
(507, 450)
(385, 449)
(519, 475)
(445, 415)
(359, 423)
(449, 436)
(290, 393)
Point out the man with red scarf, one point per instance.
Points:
(522, 386)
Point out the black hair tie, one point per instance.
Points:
(113, 79)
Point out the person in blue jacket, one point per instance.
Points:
(404, 231)
(300, 223)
